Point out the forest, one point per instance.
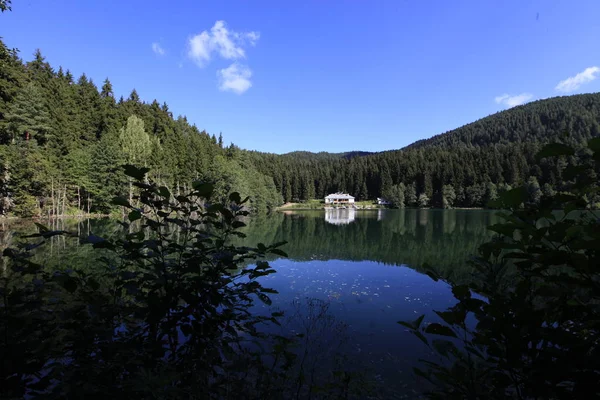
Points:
(63, 141)
(466, 167)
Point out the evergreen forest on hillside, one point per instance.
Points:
(466, 167)
(63, 141)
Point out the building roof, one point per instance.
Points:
(339, 196)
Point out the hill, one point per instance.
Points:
(464, 167)
(542, 120)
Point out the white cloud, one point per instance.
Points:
(574, 82)
(157, 49)
(226, 43)
(235, 78)
(512, 101)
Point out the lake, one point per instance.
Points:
(352, 274)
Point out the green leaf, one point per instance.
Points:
(594, 144)
(421, 337)
(555, 149)
(444, 347)
(135, 172)
(164, 192)
(439, 329)
(134, 215)
(120, 201)
(421, 373)
(417, 322)
(92, 283)
(408, 325)
(235, 197)
(47, 234)
(433, 275)
(461, 292)
(574, 171)
(182, 199)
(41, 227)
(93, 239)
(279, 252)
(70, 284)
(264, 298)
(237, 224)
(452, 317)
(503, 229)
(203, 189)
(513, 198)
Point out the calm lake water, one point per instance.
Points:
(364, 268)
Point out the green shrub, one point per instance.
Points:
(536, 304)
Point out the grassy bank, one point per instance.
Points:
(317, 204)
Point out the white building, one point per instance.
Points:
(339, 198)
(338, 216)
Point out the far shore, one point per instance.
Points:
(312, 206)
(45, 218)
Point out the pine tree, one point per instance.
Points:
(89, 103)
(386, 182)
(28, 117)
(78, 167)
(11, 80)
(109, 116)
(106, 176)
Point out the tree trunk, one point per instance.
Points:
(130, 190)
(64, 207)
(53, 200)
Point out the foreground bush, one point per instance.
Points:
(166, 314)
(530, 329)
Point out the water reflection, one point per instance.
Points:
(340, 216)
(444, 239)
(365, 264)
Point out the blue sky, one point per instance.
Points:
(321, 75)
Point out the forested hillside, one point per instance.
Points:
(465, 167)
(63, 142)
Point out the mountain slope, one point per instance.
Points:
(541, 120)
(464, 167)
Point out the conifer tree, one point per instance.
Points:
(28, 117)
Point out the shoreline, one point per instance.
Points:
(297, 207)
(38, 218)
